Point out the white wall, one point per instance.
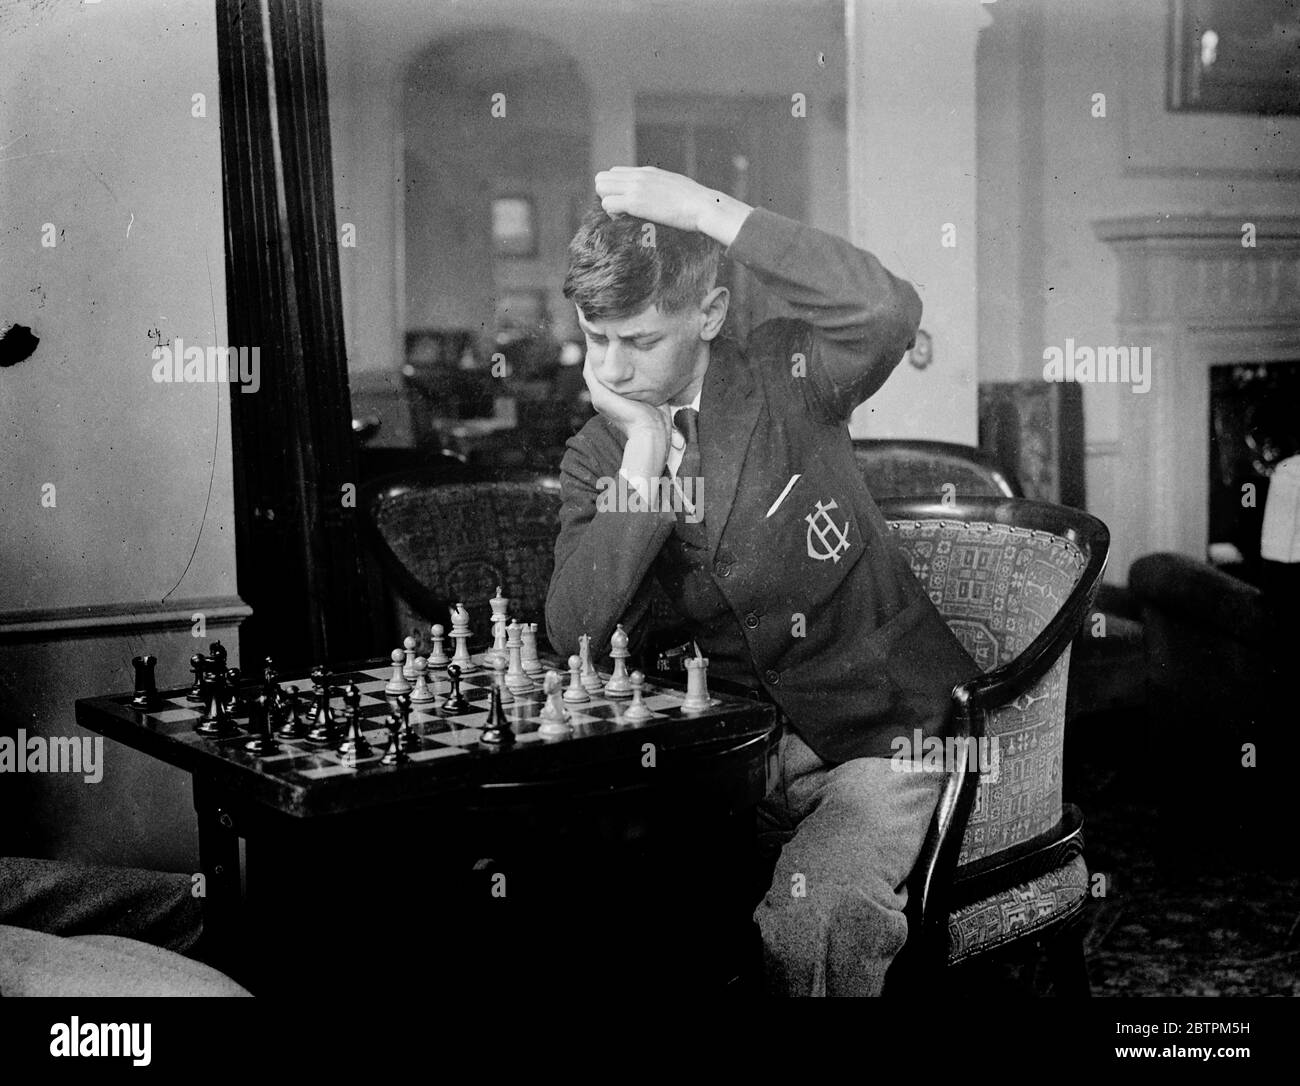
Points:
(1049, 170)
(911, 135)
(97, 137)
(725, 47)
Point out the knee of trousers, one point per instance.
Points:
(842, 919)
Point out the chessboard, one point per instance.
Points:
(303, 777)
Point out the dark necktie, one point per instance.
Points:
(688, 477)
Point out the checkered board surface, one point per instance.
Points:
(440, 737)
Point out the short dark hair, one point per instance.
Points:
(618, 267)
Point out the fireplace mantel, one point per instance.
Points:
(1198, 297)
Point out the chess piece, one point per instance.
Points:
(263, 742)
(355, 745)
(591, 680)
(196, 668)
(498, 732)
(517, 679)
(637, 711)
(498, 603)
(455, 703)
(277, 710)
(460, 634)
(619, 686)
(499, 681)
(232, 691)
(409, 645)
(323, 727)
(576, 693)
(697, 685)
(410, 733)
(396, 752)
(438, 658)
(146, 689)
(215, 721)
(554, 715)
(421, 695)
(291, 724)
(530, 661)
(397, 684)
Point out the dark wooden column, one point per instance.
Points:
(296, 539)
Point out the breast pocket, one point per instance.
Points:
(810, 534)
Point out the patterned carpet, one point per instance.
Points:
(1195, 905)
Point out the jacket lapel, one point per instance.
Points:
(729, 409)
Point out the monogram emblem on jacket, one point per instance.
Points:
(832, 541)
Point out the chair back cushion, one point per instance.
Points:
(463, 540)
(998, 586)
(898, 469)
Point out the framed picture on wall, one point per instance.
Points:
(1227, 56)
(514, 226)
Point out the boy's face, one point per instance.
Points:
(650, 357)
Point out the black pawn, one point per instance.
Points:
(232, 691)
(146, 692)
(196, 667)
(395, 754)
(291, 726)
(323, 729)
(355, 744)
(497, 733)
(410, 741)
(263, 742)
(456, 702)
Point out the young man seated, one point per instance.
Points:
(772, 549)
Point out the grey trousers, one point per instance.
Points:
(82, 930)
(849, 836)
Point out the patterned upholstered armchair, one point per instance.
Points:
(1003, 859)
(906, 469)
(448, 534)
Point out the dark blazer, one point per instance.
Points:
(836, 627)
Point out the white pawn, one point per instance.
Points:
(576, 692)
(408, 669)
(553, 714)
(421, 695)
(637, 711)
(532, 663)
(619, 685)
(499, 677)
(591, 680)
(438, 657)
(397, 684)
(697, 685)
(516, 678)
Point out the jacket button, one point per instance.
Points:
(773, 677)
(751, 621)
(722, 569)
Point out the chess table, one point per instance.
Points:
(326, 836)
